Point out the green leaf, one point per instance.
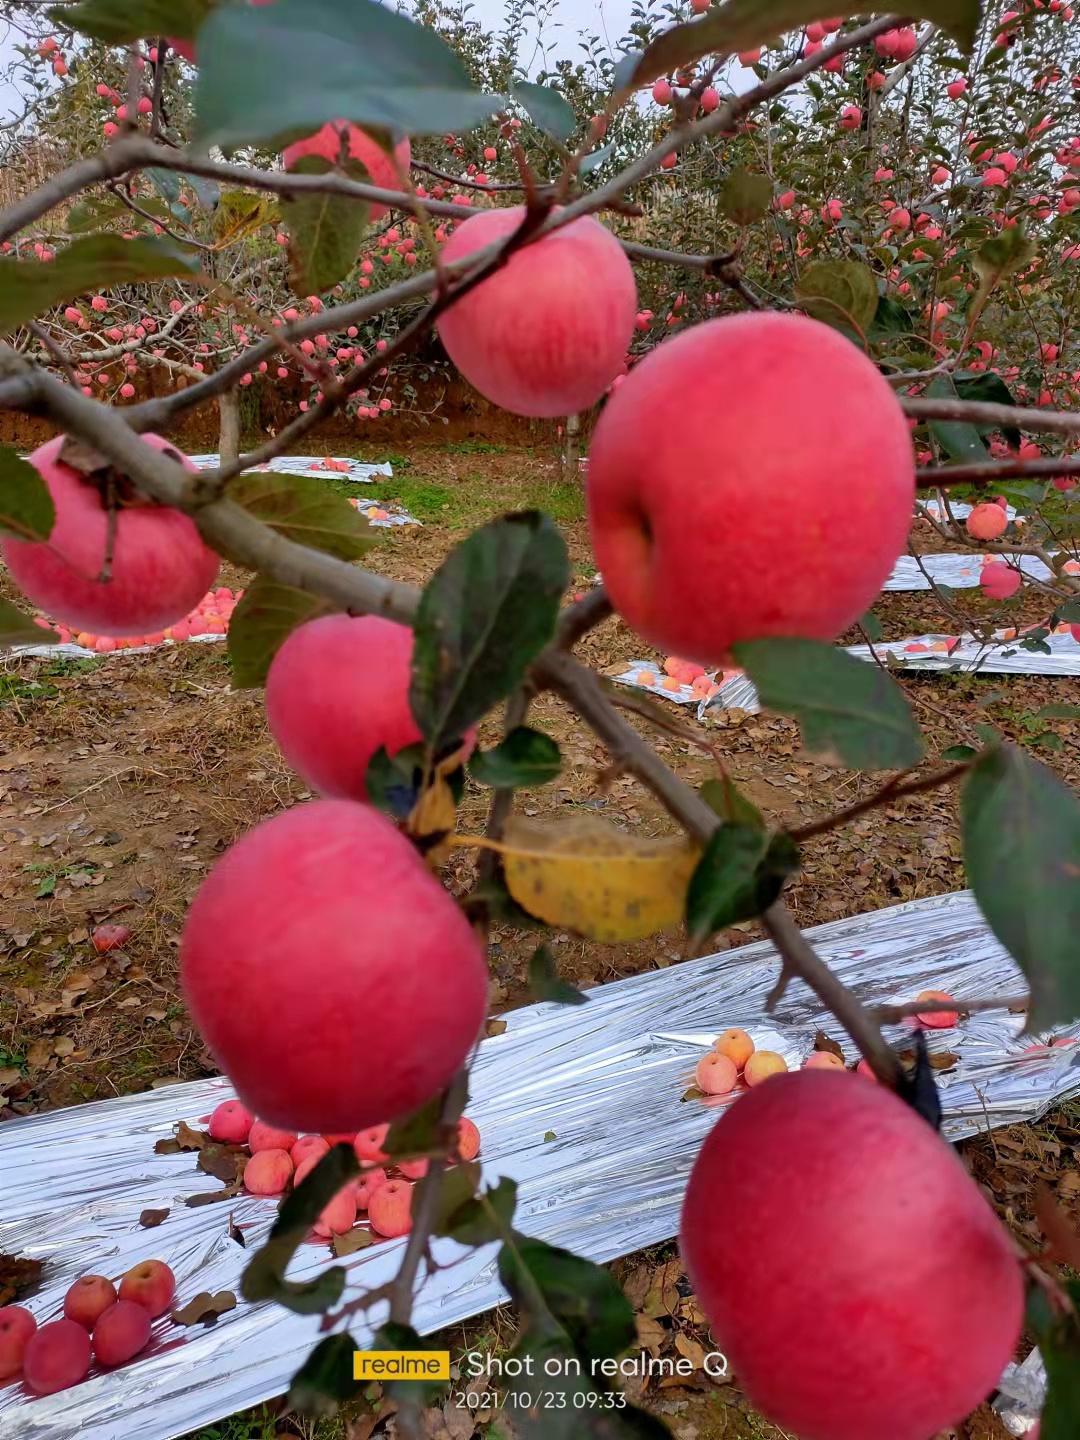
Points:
(392, 1336)
(1057, 712)
(959, 752)
(526, 757)
(96, 213)
(991, 387)
(844, 705)
(544, 982)
(740, 874)
(872, 627)
(743, 24)
(1002, 255)
(166, 183)
(473, 1220)
(394, 781)
(417, 1134)
(325, 231)
(29, 287)
(120, 22)
(367, 63)
(745, 196)
(325, 1380)
(841, 293)
(583, 1298)
(260, 625)
(593, 162)
(726, 800)
(959, 439)
(304, 510)
(264, 1275)
(547, 108)
(1021, 830)
(26, 506)
(18, 629)
(890, 318)
(485, 615)
(1058, 1337)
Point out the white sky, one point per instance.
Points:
(609, 19)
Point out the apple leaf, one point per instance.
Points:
(549, 110)
(743, 24)
(845, 706)
(473, 1220)
(745, 196)
(958, 438)
(30, 287)
(524, 758)
(325, 1380)
(18, 629)
(584, 1300)
(367, 63)
(261, 623)
(1021, 832)
(302, 509)
(121, 22)
(544, 982)
(740, 874)
(484, 616)
(325, 231)
(264, 1275)
(26, 506)
(840, 293)
(1058, 1335)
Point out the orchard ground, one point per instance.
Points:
(122, 779)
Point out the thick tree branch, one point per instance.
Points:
(933, 477)
(983, 412)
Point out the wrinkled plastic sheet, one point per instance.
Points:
(605, 1080)
(960, 572)
(342, 467)
(1022, 1394)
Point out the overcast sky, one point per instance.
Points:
(610, 19)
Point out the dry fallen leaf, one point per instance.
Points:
(205, 1307)
(220, 1162)
(1062, 1237)
(16, 1277)
(650, 1333)
(151, 1218)
(355, 1239)
(582, 874)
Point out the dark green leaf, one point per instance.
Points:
(525, 757)
(394, 781)
(890, 318)
(959, 439)
(991, 387)
(26, 506)
(96, 213)
(745, 196)
(1058, 1338)
(18, 629)
(742, 24)
(549, 110)
(1069, 612)
(593, 162)
(476, 1221)
(624, 69)
(120, 22)
(840, 293)
(260, 625)
(394, 1337)
(485, 615)
(416, 1135)
(264, 1275)
(544, 982)
(207, 192)
(740, 874)
(325, 1380)
(325, 231)
(871, 625)
(1021, 829)
(304, 510)
(959, 752)
(1058, 712)
(166, 183)
(365, 61)
(845, 705)
(1003, 254)
(726, 800)
(583, 1298)
(29, 287)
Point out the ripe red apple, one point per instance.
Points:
(109, 937)
(262, 1136)
(328, 143)
(268, 1172)
(121, 1332)
(547, 333)
(719, 514)
(88, 1298)
(337, 691)
(160, 567)
(467, 1145)
(150, 1284)
(987, 522)
(231, 1123)
(389, 1208)
(16, 1327)
(56, 1357)
(892, 1306)
(330, 973)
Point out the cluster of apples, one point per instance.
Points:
(280, 1158)
(210, 617)
(101, 1321)
(678, 673)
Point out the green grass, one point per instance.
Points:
(263, 1423)
(14, 688)
(472, 500)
